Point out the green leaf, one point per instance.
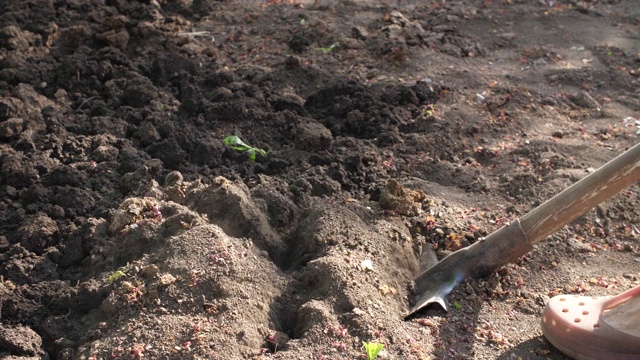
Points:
(252, 154)
(372, 349)
(234, 140)
(115, 276)
(231, 140)
(238, 145)
(326, 50)
(457, 305)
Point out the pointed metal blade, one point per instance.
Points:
(477, 260)
(428, 292)
(434, 285)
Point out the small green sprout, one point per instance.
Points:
(457, 305)
(115, 276)
(429, 110)
(239, 145)
(326, 50)
(372, 349)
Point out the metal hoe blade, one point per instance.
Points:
(518, 238)
(477, 260)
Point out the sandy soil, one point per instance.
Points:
(129, 229)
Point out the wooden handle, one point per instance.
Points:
(579, 198)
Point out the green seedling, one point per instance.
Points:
(429, 110)
(239, 145)
(457, 305)
(326, 50)
(372, 349)
(115, 276)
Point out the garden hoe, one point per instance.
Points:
(516, 239)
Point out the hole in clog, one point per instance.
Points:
(595, 326)
(585, 313)
(565, 310)
(577, 320)
(563, 299)
(581, 303)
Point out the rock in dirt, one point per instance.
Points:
(585, 100)
(13, 38)
(105, 153)
(299, 42)
(414, 33)
(33, 102)
(395, 17)
(115, 38)
(165, 280)
(150, 271)
(578, 246)
(11, 128)
(37, 232)
(278, 340)
(21, 341)
(131, 211)
(139, 92)
(16, 172)
(173, 178)
(359, 32)
(316, 185)
(403, 29)
(74, 36)
(291, 102)
(148, 134)
(312, 135)
(10, 107)
(403, 201)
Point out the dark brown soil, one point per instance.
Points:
(129, 230)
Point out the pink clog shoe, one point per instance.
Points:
(595, 328)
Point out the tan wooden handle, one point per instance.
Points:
(579, 198)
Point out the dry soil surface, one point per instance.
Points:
(129, 229)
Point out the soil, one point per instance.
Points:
(129, 229)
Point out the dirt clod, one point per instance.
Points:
(401, 200)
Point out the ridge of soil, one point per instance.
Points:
(129, 230)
